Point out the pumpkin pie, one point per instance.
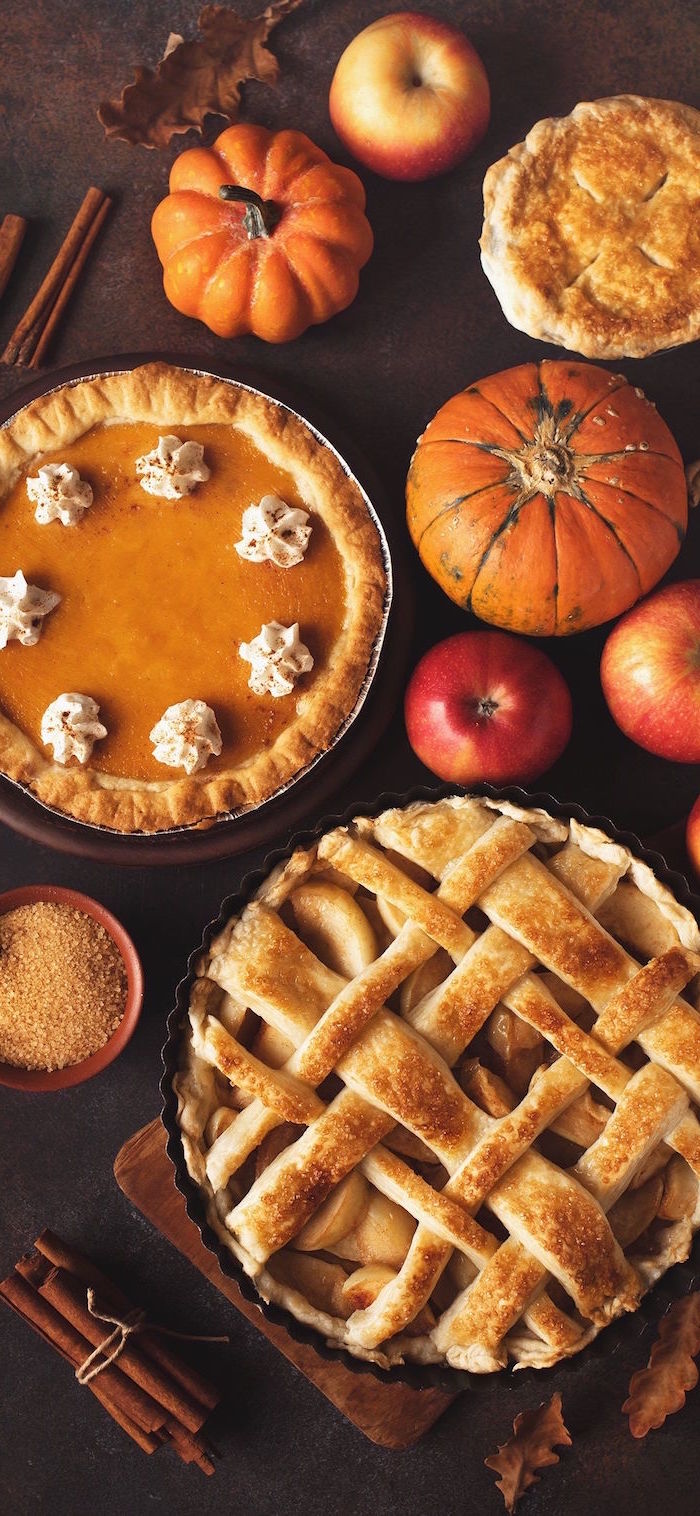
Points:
(508, 1153)
(591, 235)
(192, 589)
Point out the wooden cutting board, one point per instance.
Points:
(393, 1415)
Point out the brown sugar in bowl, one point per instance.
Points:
(75, 1073)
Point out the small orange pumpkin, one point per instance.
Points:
(261, 233)
(547, 498)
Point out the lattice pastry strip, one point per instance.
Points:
(512, 1137)
(396, 1070)
(583, 963)
(652, 1104)
(387, 1172)
(264, 1195)
(549, 1315)
(305, 1013)
(386, 1059)
(287, 1100)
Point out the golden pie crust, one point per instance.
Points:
(167, 397)
(591, 235)
(508, 1154)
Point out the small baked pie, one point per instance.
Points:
(437, 1084)
(192, 589)
(591, 233)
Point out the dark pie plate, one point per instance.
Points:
(257, 826)
(678, 1281)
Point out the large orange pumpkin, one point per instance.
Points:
(547, 498)
(261, 233)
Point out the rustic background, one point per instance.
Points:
(425, 323)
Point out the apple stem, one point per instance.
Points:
(485, 706)
(261, 216)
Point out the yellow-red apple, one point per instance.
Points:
(650, 672)
(487, 706)
(692, 836)
(410, 96)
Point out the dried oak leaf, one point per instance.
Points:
(660, 1389)
(535, 1435)
(196, 79)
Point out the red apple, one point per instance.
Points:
(692, 836)
(410, 96)
(487, 706)
(650, 672)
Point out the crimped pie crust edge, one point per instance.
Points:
(167, 396)
(527, 297)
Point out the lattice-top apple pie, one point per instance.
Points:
(437, 1084)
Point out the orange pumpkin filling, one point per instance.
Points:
(156, 600)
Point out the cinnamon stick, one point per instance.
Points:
(190, 1449)
(11, 237)
(68, 286)
(29, 1305)
(67, 1296)
(29, 330)
(62, 1256)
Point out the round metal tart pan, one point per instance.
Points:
(356, 739)
(677, 1282)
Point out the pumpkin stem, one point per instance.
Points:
(261, 216)
(546, 465)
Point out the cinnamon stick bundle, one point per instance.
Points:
(31, 337)
(151, 1392)
(50, 1325)
(63, 1257)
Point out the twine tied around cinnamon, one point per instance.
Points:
(116, 1340)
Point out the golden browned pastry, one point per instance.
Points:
(591, 235)
(508, 1154)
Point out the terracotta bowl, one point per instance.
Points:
(75, 1073)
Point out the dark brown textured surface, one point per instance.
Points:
(425, 323)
